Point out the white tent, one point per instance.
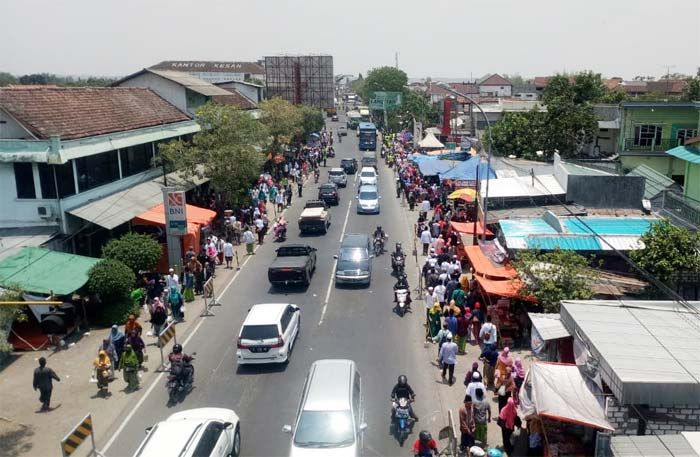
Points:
(559, 392)
(430, 142)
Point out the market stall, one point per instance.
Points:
(568, 407)
(549, 339)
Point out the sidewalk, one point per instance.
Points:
(25, 431)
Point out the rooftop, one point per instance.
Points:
(210, 66)
(79, 112)
(654, 183)
(329, 378)
(265, 313)
(665, 334)
(494, 80)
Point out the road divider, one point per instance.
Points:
(209, 297)
(163, 338)
(81, 432)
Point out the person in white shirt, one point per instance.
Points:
(440, 291)
(426, 239)
(432, 260)
(429, 299)
(228, 253)
(424, 208)
(475, 384)
(488, 333)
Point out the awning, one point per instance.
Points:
(12, 240)
(44, 271)
(484, 266)
(430, 142)
(434, 167)
(559, 392)
(467, 194)
(548, 326)
(121, 207)
(468, 228)
(502, 288)
(688, 153)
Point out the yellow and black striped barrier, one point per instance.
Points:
(167, 335)
(77, 436)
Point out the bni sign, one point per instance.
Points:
(175, 212)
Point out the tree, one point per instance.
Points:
(415, 104)
(692, 90)
(311, 120)
(137, 251)
(568, 127)
(613, 96)
(515, 79)
(6, 79)
(554, 276)
(283, 121)
(111, 279)
(36, 78)
(668, 249)
(387, 79)
(587, 87)
(229, 150)
(519, 134)
(9, 314)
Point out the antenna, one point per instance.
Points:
(396, 59)
(668, 73)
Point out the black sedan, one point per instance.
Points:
(328, 193)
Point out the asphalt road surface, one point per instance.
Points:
(355, 323)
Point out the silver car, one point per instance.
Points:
(338, 176)
(368, 200)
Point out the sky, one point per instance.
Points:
(439, 38)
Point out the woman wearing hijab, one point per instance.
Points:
(505, 386)
(158, 316)
(137, 345)
(518, 377)
(504, 360)
(118, 340)
(130, 366)
(506, 420)
(188, 284)
(435, 313)
(102, 365)
(470, 373)
(132, 324)
(108, 348)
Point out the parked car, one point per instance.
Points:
(349, 165)
(334, 118)
(315, 217)
(328, 192)
(368, 175)
(295, 263)
(338, 176)
(268, 333)
(212, 432)
(354, 264)
(330, 417)
(368, 200)
(342, 130)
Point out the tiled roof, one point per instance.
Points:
(465, 88)
(672, 86)
(541, 82)
(236, 99)
(78, 112)
(495, 80)
(210, 66)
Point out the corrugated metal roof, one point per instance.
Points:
(548, 326)
(688, 153)
(523, 186)
(651, 446)
(191, 82)
(648, 350)
(567, 243)
(655, 182)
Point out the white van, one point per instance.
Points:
(329, 420)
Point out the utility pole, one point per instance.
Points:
(668, 73)
(396, 59)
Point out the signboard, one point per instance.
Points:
(465, 144)
(175, 212)
(380, 101)
(417, 133)
(451, 146)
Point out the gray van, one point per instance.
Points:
(369, 159)
(354, 260)
(332, 395)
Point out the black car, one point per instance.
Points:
(328, 193)
(349, 165)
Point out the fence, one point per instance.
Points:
(209, 297)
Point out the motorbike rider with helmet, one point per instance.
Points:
(402, 390)
(379, 234)
(425, 445)
(402, 283)
(398, 252)
(181, 365)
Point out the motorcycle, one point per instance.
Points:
(378, 246)
(316, 175)
(398, 264)
(180, 380)
(401, 422)
(401, 301)
(280, 231)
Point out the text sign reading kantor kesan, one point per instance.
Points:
(176, 212)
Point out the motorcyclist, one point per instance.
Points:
(379, 234)
(402, 283)
(181, 365)
(398, 252)
(403, 390)
(317, 173)
(425, 445)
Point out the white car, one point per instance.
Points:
(368, 200)
(368, 176)
(268, 333)
(213, 432)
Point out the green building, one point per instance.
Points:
(689, 155)
(649, 129)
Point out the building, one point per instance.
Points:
(689, 155)
(606, 139)
(215, 71)
(525, 92)
(184, 91)
(495, 85)
(301, 80)
(64, 150)
(649, 129)
(251, 91)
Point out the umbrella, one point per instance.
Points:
(465, 194)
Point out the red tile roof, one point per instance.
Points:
(465, 88)
(672, 86)
(495, 80)
(541, 82)
(79, 112)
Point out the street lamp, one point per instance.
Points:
(488, 152)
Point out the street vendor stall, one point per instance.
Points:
(568, 407)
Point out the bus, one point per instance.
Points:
(365, 114)
(368, 136)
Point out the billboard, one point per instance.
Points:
(175, 212)
(381, 100)
(301, 80)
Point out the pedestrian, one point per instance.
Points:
(424, 208)
(506, 420)
(435, 313)
(448, 357)
(489, 333)
(475, 384)
(108, 347)
(505, 386)
(103, 366)
(279, 199)
(175, 301)
(228, 253)
(467, 425)
(129, 365)
(249, 240)
(470, 373)
(504, 360)
(300, 186)
(477, 317)
(43, 381)
(220, 250)
(462, 333)
(482, 416)
(429, 302)
(489, 356)
(439, 245)
(173, 280)
(289, 194)
(158, 317)
(440, 290)
(458, 296)
(132, 325)
(441, 338)
(188, 285)
(519, 440)
(190, 254)
(451, 321)
(518, 378)
(426, 239)
(137, 345)
(260, 229)
(117, 338)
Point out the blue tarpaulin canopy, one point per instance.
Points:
(467, 171)
(434, 167)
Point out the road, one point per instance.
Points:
(352, 323)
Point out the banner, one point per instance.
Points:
(175, 212)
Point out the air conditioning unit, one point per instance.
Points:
(45, 212)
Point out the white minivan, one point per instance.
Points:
(368, 176)
(268, 333)
(329, 420)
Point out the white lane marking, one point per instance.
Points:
(157, 380)
(335, 264)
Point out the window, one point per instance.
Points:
(259, 332)
(684, 134)
(46, 180)
(136, 159)
(208, 441)
(97, 170)
(286, 318)
(356, 398)
(324, 428)
(24, 180)
(647, 135)
(64, 179)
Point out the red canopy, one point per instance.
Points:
(485, 267)
(468, 228)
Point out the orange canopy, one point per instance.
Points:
(502, 288)
(485, 267)
(468, 228)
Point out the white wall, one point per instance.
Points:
(11, 130)
(172, 92)
(499, 91)
(21, 212)
(250, 92)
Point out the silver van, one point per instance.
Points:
(329, 420)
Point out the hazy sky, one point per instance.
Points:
(448, 38)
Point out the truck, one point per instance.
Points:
(315, 217)
(294, 264)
